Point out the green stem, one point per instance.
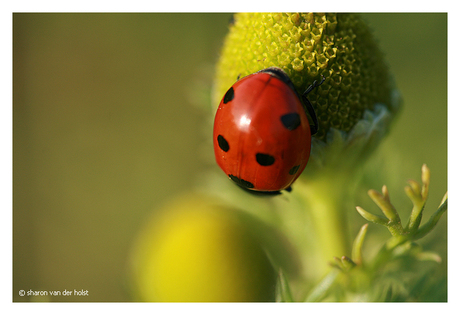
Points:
(324, 199)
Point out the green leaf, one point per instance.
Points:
(372, 217)
(427, 227)
(283, 290)
(322, 289)
(383, 201)
(347, 263)
(356, 252)
(429, 256)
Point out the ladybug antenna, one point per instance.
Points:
(315, 84)
(315, 126)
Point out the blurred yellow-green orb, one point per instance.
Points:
(196, 251)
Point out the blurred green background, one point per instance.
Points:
(104, 132)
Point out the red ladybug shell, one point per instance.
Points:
(262, 135)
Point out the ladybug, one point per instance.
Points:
(262, 135)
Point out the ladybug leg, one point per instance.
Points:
(314, 128)
(311, 111)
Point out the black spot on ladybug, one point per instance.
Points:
(291, 121)
(248, 186)
(223, 144)
(294, 170)
(241, 182)
(229, 95)
(265, 159)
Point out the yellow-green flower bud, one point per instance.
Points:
(357, 99)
